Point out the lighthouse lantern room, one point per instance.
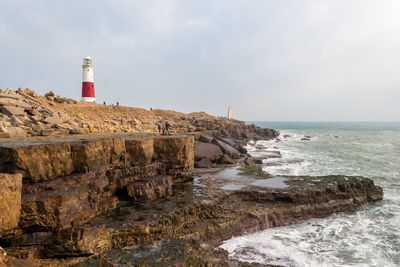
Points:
(87, 80)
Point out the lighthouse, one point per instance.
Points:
(230, 113)
(87, 80)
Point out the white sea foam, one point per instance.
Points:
(368, 237)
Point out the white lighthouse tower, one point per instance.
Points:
(87, 80)
(230, 113)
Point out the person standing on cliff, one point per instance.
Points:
(122, 121)
(159, 128)
(131, 123)
(167, 127)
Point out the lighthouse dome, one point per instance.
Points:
(87, 60)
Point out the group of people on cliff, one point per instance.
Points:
(163, 128)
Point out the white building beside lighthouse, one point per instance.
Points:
(230, 113)
(87, 80)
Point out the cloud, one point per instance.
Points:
(270, 60)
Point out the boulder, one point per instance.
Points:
(205, 138)
(14, 131)
(227, 149)
(227, 160)
(10, 200)
(9, 102)
(241, 149)
(46, 112)
(203, 163)
(15, 121)
(151, 188)
(49, 95)
(10, 96)
(47, 132)
(206, 150)
(8, 110)
(53, 120)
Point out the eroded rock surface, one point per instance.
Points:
(10, 200)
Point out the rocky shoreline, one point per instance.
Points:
(120, 197)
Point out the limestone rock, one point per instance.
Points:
(53, 120)
(175, 153)
(15, 121)
(151, 188)
(49, 95)
(8, 110)
(205, 138)
(206, 150)
(233, 153)
(140, 151)
(66, 201)
(10, 200)
(203, 163)
(227, 160)
(47, 132)
(10, 102)
(36, 162)
(11, 96)
(4, 135)
(3, 255)
(14, 131)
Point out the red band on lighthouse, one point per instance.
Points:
(87, 89)
(87, 80)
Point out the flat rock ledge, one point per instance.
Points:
(134, 199)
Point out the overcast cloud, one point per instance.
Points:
(269, 60)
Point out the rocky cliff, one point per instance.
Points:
(96, 193)
(25, 113)
(90, 200)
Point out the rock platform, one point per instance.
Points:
(93, 200)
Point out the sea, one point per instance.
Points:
(370, 236)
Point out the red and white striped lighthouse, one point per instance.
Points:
(87, 80)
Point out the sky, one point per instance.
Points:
(295, 60)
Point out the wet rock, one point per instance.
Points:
(259, 146)
(241, 149)
(203, 163)
(207, 150)
(10, 200)
(151, 188)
